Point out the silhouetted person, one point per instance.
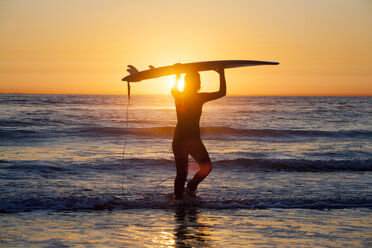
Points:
(186, 140)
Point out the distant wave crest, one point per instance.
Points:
(253, 164)
(300, 164)
(19, 130)
(234, 133)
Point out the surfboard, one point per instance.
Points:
(196, 66)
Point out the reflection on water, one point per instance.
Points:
(182, 228)
(189, 230)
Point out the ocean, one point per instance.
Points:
(93, 171)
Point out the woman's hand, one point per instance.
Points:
(220, 71)
(132, 70)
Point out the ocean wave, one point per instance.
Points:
(259, 164)
(17, 134)
(44, 128)
(166, 201)
(227, 132)
(299, 164)
(254, 164)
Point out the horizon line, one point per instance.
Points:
(115, 94)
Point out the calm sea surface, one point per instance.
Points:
(287, 172)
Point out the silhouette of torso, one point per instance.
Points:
(189, 110)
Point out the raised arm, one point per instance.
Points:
(218, 94)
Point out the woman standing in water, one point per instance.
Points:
(186, 139)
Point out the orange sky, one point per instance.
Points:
(83, 47)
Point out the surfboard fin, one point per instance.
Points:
(151, 67)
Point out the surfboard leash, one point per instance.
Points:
(153, 193)
(125, 144)
(125, 136)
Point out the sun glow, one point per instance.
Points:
(181, 83)
(60, 56)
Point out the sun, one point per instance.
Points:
(181, 83)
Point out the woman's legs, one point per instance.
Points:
(182, 166)
(200, 154)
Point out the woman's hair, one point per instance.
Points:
(192, 81)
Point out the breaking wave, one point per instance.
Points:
(254, 164)
(165, 201)
(227, 132)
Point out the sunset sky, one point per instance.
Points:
(83, 47)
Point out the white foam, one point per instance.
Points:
(166, 202)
